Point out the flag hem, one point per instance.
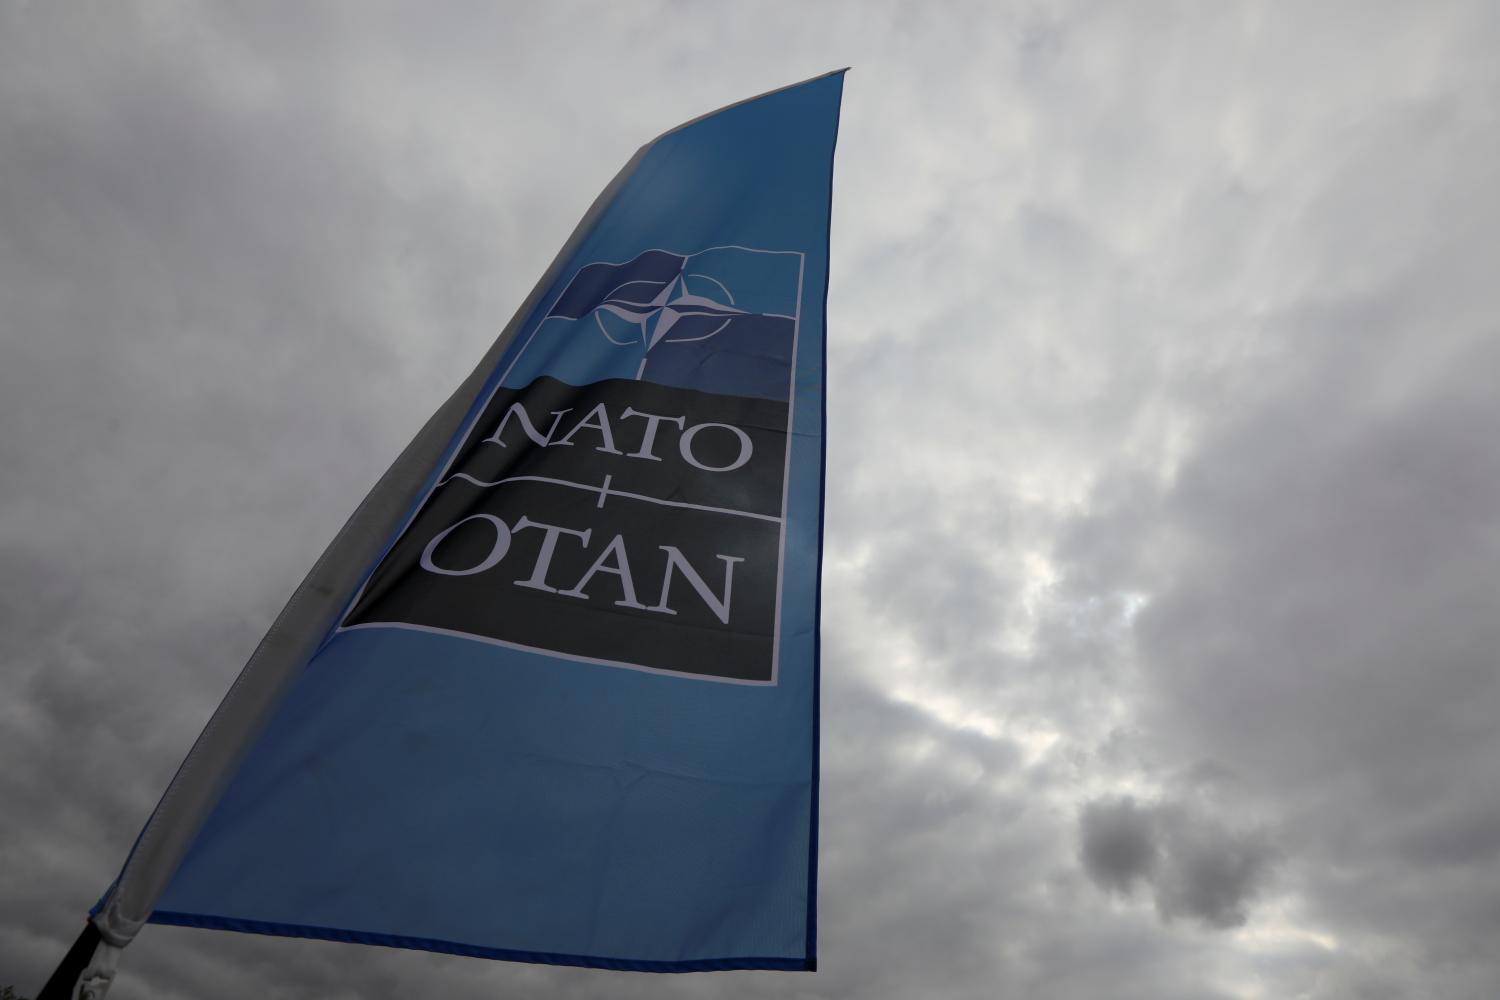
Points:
(811, 947)
(747, 963)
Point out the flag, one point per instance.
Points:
(551, 695)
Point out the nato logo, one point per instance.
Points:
(723, 320)
(619, 499)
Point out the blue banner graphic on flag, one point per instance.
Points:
(570, 714)
(721, 320)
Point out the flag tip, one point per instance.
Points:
(736, 104)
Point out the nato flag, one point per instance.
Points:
(552, 693)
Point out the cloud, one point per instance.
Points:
(1118, 844)
(1195, 867)
(1211, 874)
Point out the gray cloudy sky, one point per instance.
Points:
(1164, 495)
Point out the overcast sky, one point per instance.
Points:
(1161, 612)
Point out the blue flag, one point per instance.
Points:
(552, 695)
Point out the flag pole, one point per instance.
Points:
(86, 971)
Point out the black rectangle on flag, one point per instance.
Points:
(623, 522)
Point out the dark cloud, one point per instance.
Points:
(1119, 845)
(1211, 874)
(1195, 867)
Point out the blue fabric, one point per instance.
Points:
(436, 791)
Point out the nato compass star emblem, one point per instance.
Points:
(675, 314)
(649, 301)
(720, 320)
